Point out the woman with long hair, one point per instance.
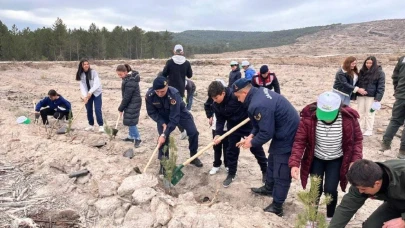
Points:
(90, 87)
(346, 78)
(372, 79)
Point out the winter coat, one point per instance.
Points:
(176, 70)
(233, 76)
(249, 73)
(131, 98)
(59, 105)
(303, 151)
(270, 82)
(398, 79)
(95, 84)
(343, 83)
(374, 88)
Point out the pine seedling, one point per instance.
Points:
(108, 130)
(169, 164)
(310, 217)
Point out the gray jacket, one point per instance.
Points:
(95, 84)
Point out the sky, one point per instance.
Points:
(181, 15)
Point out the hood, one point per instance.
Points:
(309, 111)
(133, 75)
(179, 59)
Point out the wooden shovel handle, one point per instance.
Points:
(77, 114)
(150, 159)
(118, 119)
(212, 143)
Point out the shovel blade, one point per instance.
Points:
(177, 175)
(114, 132)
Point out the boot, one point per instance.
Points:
(276, 208)
(265, 190)
(385, 145)
(401, 154)
(196, 162)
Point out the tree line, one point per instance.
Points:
(61, 44)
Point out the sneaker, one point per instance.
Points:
(137, 143)
(127, 139)
(183, 135)
(385, 145)
(89, 128)
(368, 133)
(196, 162)
(101, 129)
(228, 180)
(214, 170)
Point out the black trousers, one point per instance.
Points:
(219, 150)
(50, 112)
(390, 209)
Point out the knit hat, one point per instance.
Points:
(328, 105)
(178, 49)
(240, 84)
(245, 63)
(264, 69)
(159, 83)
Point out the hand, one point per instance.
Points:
(164, 127)
(394, 223)
(362, 91)
(295, 172)
(240, 143)
(210, 121)
(216, 140)
(85, 99)
(161, 140)
(350, 166)
(89, 95)
(121, 113)
(248, 142)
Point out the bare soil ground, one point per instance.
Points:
(34, 170)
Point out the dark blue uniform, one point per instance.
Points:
(274, 117)
(171, 110)
(234, 112)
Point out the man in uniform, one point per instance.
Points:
(166, 107)
(228, 109)
(274, 118)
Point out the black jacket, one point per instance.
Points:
(374, 87)
(176, 70)
(398, 79)
(233, 76)
(131, 98)
(190, 87)
(232, 111)
(209, 112)
(343, 83)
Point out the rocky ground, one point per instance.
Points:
(34, 168)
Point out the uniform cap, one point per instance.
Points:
(159, 83)
(240, 84)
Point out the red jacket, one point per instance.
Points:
(304, 144)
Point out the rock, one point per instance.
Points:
(136, 217)
(67, 215)
(107, 188)
(119, 213)
(169, 200)
(126, 206)
(129, 153)
(162, 212)
(131, 183)
(186, 198)
(106, 206)
(143, 195)
(91, 202)
(75, 160)
(83, 179)
(118, 221)
(207, 220)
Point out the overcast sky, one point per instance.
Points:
(180, 15)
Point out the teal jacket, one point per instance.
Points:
(353, 200)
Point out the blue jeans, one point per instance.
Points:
(330, 169)
(97, 106)
(190, 101)
(134, 133)
(345, 99)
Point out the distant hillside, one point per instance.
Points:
(211, 41)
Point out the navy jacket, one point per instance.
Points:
(55, 104)
(273, 117)
(233, 76)
(232, 111)
(168, 109)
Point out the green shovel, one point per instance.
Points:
(178, 174)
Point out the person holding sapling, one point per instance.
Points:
(131, 103)
(91, 89)
(327, 142)
(57, 106)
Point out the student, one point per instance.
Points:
(131, 101)
(57, 106)
(190, 88)
(91, 89)
(267, 79)
(234, 74)
(398, 111)
(378, 181)
(249, 71)
(328, 140)
(372, 79)
(346, 80)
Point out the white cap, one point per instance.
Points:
(178, 49)
(328, 105)
(245, 63)
(234, 63)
